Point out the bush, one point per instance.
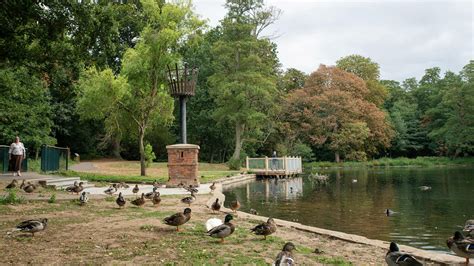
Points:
(11, 198)
(52, 199)
(234, 164)
(149, 155)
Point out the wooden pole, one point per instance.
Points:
(266, 165)
(247, 163)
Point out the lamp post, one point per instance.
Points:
(182, 82)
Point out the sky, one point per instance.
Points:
(404, 37)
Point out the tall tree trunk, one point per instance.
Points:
(116, 147)
(239, 130)
(141, 136)
(336, 155)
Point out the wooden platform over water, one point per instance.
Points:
(275, 167)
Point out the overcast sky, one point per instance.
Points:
(404, 37)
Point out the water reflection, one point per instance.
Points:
(423, 218)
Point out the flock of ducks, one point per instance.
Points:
(461, 245)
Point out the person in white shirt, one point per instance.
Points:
(16, 154)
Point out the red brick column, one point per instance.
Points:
(183, 165)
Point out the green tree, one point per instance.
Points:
(291, 79)
(244, 82)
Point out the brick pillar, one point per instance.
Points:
(183, 165)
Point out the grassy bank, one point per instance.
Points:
(394, 162)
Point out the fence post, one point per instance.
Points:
(247, 163)
(67, 158)
(285, 165)
(266, 164)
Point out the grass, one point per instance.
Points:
(11, 198)
(394, 162)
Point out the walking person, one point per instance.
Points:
(16, 154)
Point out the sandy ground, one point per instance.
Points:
(100, 233)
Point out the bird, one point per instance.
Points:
(424, 188)
(224, 230)
(213, 222)
(469, 227)
(135, 189)
(178, 219)
(216, 206)
(265, 229)
(29, 188)
(389, 212)
(150, 195)
(139, 201)
(156, 184)
(123, 185)
(71, 188)
(32, 226)
(120, 200)
(462, 246)
(191, 189)
(156, 199)
(235, 205)
(395, 257)
(285, 257)
(253, 211)
(76, 189)
(12, 184)
(188, 200)
(83, 199)
(213, 186)
(354, 181)
(22, 184)
(111, 190)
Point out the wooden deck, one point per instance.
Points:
(277, 167)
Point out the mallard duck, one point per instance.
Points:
(191, 189)
(156, 184)
(389, 212)
(462, 246)
(123, 185)
(156, 199)
(469, 227)
(424, 188)
(224, 230)
(71, 188)
(216, 206)
(77, 189)
(150, 195)
(120, 200)
(265, 229)
(179, 218)
(83, 199)
(12, 184)
(189, 200)
(395, 257)
(32, 226)
(135, 189)
(285, 257)
(235, 205)
(139, 201)
(22, 184)
(29, 188)
(111, 190)
(213, 186)
(253, 211)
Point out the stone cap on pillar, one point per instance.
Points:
(182, 146)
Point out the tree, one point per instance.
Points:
(291, 79)
(244, 82)
(333, 109)
(139, 93)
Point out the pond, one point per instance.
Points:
(354, 201)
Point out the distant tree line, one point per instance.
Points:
(91, 75)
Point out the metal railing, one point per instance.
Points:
(54, 158)
(5, 162)
(283, 165)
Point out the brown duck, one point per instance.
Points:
(213, 186)
(235, 205)
(189, 200)
(179, 218)
(139, 201)
(135, 189)
(265, 229)
(156, 199)
(120, 200)
(22, 184)
(12, 184)
(29, 188)
(216, 206)
(78, 188)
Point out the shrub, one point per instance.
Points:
(234, 164)
(52, 199)
(149, 155)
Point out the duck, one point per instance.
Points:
(191, 189)
(462, 246)
(71, 188)
(32, 226)
(213, 186)
(22, 184)
(135, 189)
(469, 227)
(253, 211)
(139, 201)
(77, 189)
(285, 257)
(29, 188)
(188, 200)
(178, 219)
(150, 195)
(156, 199)
(265, 229)
(12, 184)
(224, 230)
(216, 206)
(354, 181)
(235, 205)
(389, 212)
(120, 200)
(395, 257)
(123, 185)
(424, 188)
(111, 190)
(83, 199)
(156, 184)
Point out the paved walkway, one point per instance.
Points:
(203, 189)
(25, 175)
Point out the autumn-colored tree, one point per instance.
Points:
(333, 109)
